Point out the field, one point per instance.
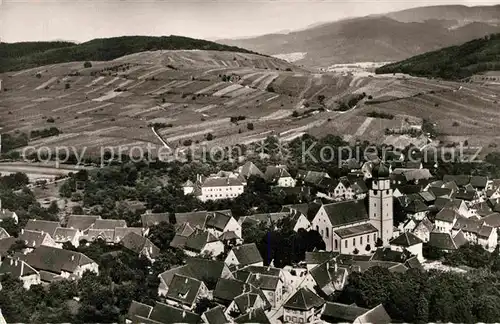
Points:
(112, 105)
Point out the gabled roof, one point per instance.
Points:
(346, 212)
(104, 234)
(326, 274)
(179, 241)
(413, 263)
(492, 219)
(217, 220)
(447, 215)
(264, 282)
(341, 313)
(109, 224)
(63, 234)
(270, 271)
(440, 192)
(198, 240)
(479, 182)
(226, 290)
(138, 243)
(16, 268)
(389, 255)
(427, 196)
(5, 245)
(443, 241)
(151, 219)
(246, 301)
(250, 169)
(3, 233)
(81, 222)
(247, 254)
(304, 299)
(164, 313)
(188, 183)
(33, 239)
(121, 232)
(406, 239)
(425, 223)
(183, 289)
(56, 260)
(138, 309)
(273, 173)
(460, 180)
(253, 316)
(356, 230)
(376, 315)
(314, 177)
(465, 195)
(216, 315)
(42, 226)
(408, 189)
(416, 206)
(317, 257)
(307, 209)
(195, 219)
(221, 182)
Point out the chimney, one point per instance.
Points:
(186, 280)
(11, 261)
(257, 276)
(183, 314)
(335, 267)
(72, 258)
(22, 231)
(328, 266)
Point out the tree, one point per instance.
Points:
(161, 235)
(210, 137)
(67, 86)
(87, 65)
(368, 247)
(204, 304)
(379, 242)
(295, 113)
(250, 126)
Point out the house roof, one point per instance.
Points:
(468, 225)
(442, 241)
(42, 226)
(256, 315)
(183, 289)
(246, 301)
(317, 257)
(3, 233)
(492, 219)
(109, 224)
(195, 219)
(440, 192)
(447, 215)
(164, 313)
(179, 241)
(304, 299)
(221, 182)
(139, 309)
(216, 315)
(250, 169)
(5, 245)
(376, 315)
(16, 268)
(413, 263)
(408, 189)
(33, 239)
(227, 289)
(198, 240)
(479, 182)
(151, 219)
(273, 173)
(406, 239)
(217, 220)
(81, 222)
(188, 183)
(247, 254)
(307, 209)
(121, 232)
(460, 180)
(5, 214)
(264, 282)
(56, 260)
(425, 223)
(102, 233)
(346, 212)
(356, 230)
(389, 255)
(341, 312)
(139, 243)
(314, 177)
(63, 234)
(271, 271)
(229, 235)
(326, 274)
(416, 206)
(465, 195)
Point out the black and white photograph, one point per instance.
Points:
(249, 161)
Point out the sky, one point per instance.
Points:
(82, 20)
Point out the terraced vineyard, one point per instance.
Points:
(194, 93)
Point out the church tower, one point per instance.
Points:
(380, 203)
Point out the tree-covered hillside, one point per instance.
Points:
(18, 56)
(453, 63)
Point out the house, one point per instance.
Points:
(341, 313)
(3, 233)
(461, 180)
(250, 169)
(226, 290)
(219, 223)
(42, 226)
(63, 235)
(416, 209)
(302, 307)
(202, 242)
(188, 187)
(20, 270)
(271, 286)
(164, 313)
(121, 232)
(59, 262)
(215, 315)
(185, 291)
(246, 254)
(244, 303)
(329, 277)
(149, 219)
(208, 271)
(140, 245)
(279, 176)
(81, 222)
(7, 214)
(477, 232)
(34, 239)
(446, 241)
(410, 242)
(423, 229)
(138, 309)
(216, 188)
(445, 220)
(316, 258)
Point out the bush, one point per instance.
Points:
(368, 247)
(381, 115)
(67, 86)
(210, 137)
(236, 119)
(295, 113)
(455, 124)
(50, 120)
(270, 88)
(87, 65)
(187, 142)
(38, 75)
(250, 126)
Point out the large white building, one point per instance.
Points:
(351, 227)
(215, 187)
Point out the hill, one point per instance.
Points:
(231, 98)
(374, 38)
(456, 62)
(458, 13)
(24, 55)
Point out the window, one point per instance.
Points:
(361, 240)
(353, 241)
(326, 232)
(336, 244)
(317, 228)
(346, 244)
(321, 232)
(368, 238)
(374, 237)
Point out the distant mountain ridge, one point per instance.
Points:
(24, 55)
(453, 63)
(390, 37)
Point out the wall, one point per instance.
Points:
(286, 182)
(357, 242)
(215, 193)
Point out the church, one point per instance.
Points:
(355, 226)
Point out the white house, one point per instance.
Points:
(302, 307)
(279, 176)
(409, 242)
(216, 188)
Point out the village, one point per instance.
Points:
(354, 215)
